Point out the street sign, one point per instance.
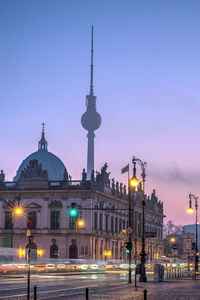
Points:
(129, 230)
(28, 232)
(151, 234)
(174, 247)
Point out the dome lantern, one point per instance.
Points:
(42, 144)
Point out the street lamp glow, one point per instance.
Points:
(190, 210)
(18, 211)
(172, 239)
(40, 252)
(81, 223)
(134, 181)
(21, 252)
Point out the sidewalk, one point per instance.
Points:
(182, 289)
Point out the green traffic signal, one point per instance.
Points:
(73, 212)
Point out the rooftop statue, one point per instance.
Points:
(33, 171)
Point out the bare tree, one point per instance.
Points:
(171, 230)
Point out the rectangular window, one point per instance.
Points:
(32, 215)
(100, 222)
(95, 221)
(123, 225)
(55, 219)
(120, 225)
(116, 250)
(101, 248)
(112, 224)
(116, 225)
(84, 251)
(106, 222)
(8, 220)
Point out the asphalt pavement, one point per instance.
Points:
(58, 283)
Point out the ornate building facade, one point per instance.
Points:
(44, 189)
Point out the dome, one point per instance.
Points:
(55, 168)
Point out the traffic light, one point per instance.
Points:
(73, 210)
(193, 246)
(128, 247)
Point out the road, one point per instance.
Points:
(72, 283)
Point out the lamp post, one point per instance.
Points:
(190, 210)
(17, 210)
(143, 277)
(132, 184)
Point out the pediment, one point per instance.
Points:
(33, 205)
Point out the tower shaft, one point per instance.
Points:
(90, 154)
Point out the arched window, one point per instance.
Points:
(54, 250)
(73, 250)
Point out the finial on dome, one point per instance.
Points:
(42, 145)
(43, 124)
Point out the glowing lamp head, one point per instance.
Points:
(18, 211)
(190, 210)
(81, 223)
(134, 181)
(172, 239)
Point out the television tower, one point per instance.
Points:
(91, 119)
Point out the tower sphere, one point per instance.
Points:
(91, 120)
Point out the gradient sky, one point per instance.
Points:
(147, 83)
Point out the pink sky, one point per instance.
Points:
(146, 79)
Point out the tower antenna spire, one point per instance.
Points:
(91, 66)
(91, 120)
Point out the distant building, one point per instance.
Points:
(192, 229)
(188, 239)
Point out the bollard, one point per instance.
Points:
(35, 292)
(87, 294)
(145, 294)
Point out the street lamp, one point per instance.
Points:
(17, 210)
(132, 184)
(80, 223)
(143, 277)
(190, 210)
